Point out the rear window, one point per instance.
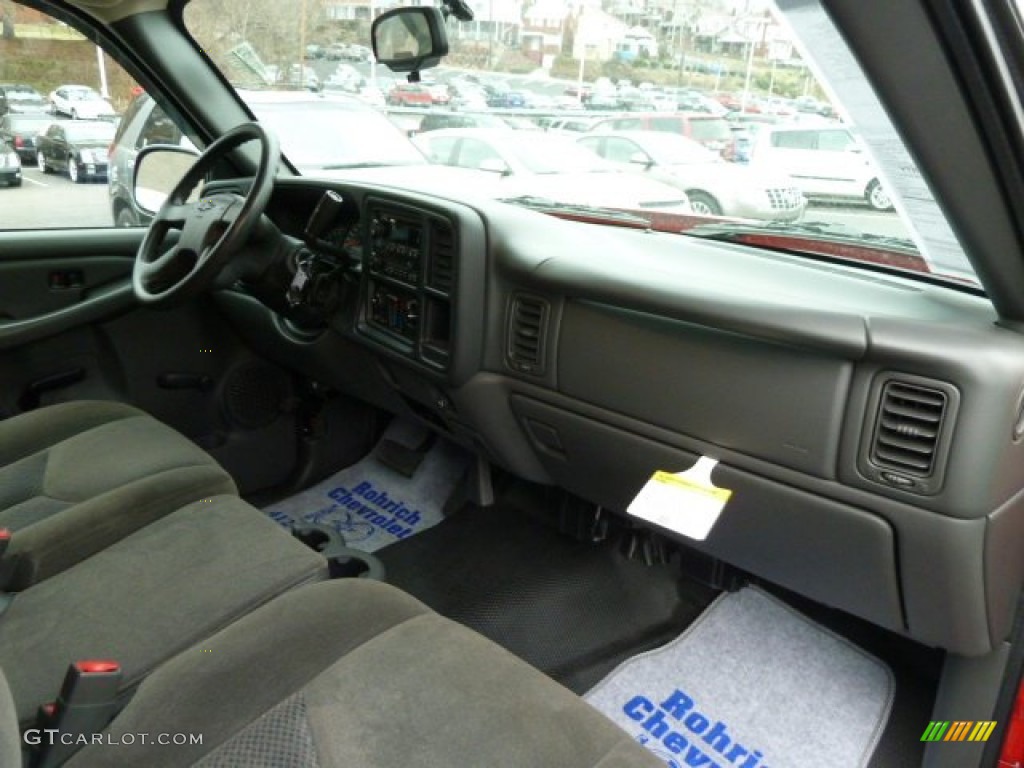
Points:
(835, 141)
(795, 139)
(666, 124)
(704, 129)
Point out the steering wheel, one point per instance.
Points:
(213, 227)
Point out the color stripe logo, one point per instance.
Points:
(958, 730)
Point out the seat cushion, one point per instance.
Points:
(357, 673)
(150, 595)
(77, 477)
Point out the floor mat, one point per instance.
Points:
(373, 505)
(572, 609)
(752, 684)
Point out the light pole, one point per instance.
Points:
(104, 92)
(579, 77)
(746, 82)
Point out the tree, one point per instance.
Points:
(7, 18)
(273, 29)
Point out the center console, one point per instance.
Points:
(409, 280)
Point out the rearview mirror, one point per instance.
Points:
(409, 39)
(158, 169)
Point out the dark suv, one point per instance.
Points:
(144, 123)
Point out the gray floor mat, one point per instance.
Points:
(372, 505)
(753, 684)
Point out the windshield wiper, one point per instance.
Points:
(820, 230)
(578, 211)
(362, 164)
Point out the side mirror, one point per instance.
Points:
(409, 39)
(158, 169)
(639, 158)
(494, 165)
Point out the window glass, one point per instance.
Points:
(795, 139)
(65, 100)
(778, 62)
(439, 149)
(668, 124)
(619, 150)
(835, 141)
(704, 128)
(474, 153)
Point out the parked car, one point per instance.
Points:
(436, 121)
(827, 162)
(10, 166)
(709, 130)
(531, 163)
(570, 124)
(77, 147)
(80, 102)
(467, 95)
(20, 131)
(507, 100)
(356, 52)
(713, 186)
(409, 95)
(18, 97)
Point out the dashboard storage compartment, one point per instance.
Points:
(832, 552)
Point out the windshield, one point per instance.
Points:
(709, 128)
(768, 87)
(321, 135)
(81, 94)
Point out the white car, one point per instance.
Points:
(80, 102)
(714, 186)
(531, 163)
(827, 162)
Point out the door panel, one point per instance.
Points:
(185, 365)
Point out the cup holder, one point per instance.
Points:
(343, 562)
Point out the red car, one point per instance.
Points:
(409, 95)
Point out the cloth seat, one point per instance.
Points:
(79, 476)
(149, 596)
(356, 673)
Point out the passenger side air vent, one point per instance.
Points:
(909, 420)
(910, 439)
(441, 270)
(526, 331)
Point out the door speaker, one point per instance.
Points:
(256, 394)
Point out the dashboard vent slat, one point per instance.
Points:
(441, 274)
(527, 329)
(909, 424)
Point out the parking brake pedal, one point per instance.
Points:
(405, 460)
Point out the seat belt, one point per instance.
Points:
(87, 702)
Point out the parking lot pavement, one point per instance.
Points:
(49, 200)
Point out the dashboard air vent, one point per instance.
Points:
(441, 274)
(527, 326)
(910, 419)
